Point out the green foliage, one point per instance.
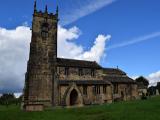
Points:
(8, 99)
(133, 110)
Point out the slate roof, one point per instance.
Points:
(84, 82)
(119, 79)
(113, 71)
(77, 63)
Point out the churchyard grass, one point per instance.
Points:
(132, 110)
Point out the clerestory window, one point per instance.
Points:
(80, 72)
(66, 72)
(92, 73)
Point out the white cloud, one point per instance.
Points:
(68, 49)
(154, 78)
(14, 51)
(14, 46)
(134, 77)
(98, 49)
(17, 95)
(134, 41)
(82, 8)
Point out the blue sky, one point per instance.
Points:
(133, 25)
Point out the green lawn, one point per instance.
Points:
(133, 110)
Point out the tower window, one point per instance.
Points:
(45, 30)
(44, 34)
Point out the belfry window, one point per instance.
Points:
(45, 30)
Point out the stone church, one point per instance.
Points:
(52, 81)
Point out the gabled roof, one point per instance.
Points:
(115, 75)
(77, 63)
(113, 71)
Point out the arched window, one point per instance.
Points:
(45, 29)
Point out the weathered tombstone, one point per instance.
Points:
(157, 92)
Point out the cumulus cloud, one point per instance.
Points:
(14, 46)
(14, 51)
(98, 49)
(68, 49)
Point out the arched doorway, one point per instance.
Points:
(73, 98)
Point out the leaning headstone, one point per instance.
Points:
(157, 92)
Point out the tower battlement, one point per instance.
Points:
(40, 13)
(48, 15)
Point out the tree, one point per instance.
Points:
(7, 99)
(143, 80)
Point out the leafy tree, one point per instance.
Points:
(142, 80)
(7, 99)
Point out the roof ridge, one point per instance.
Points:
(78, 63)
(77, 60)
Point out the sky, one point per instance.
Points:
(123, 33)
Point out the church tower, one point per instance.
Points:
(40, 80)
